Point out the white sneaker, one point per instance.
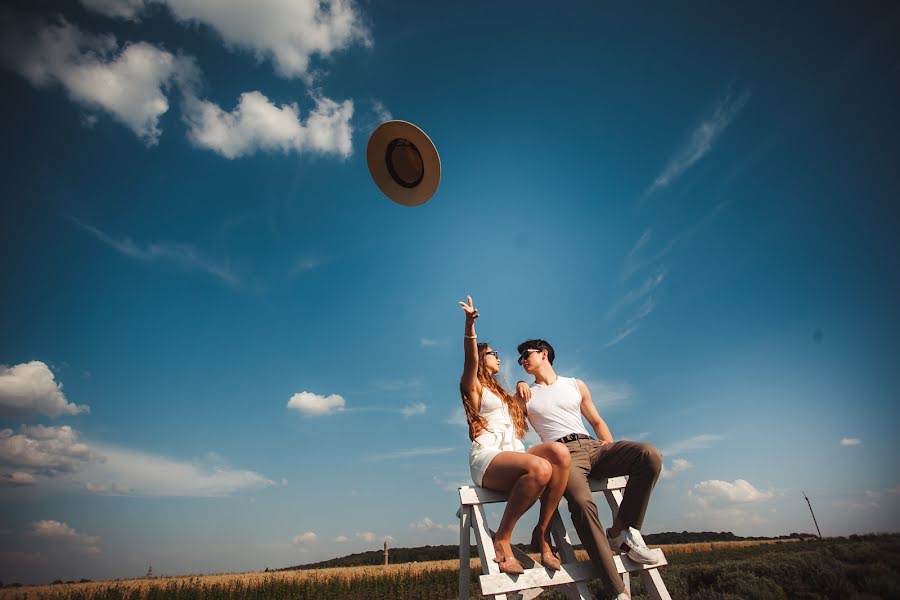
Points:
(635, 550)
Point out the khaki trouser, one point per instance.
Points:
(641, 462)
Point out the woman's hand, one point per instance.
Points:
(523, 391)
(469, 309)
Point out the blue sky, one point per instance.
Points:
(223, 349)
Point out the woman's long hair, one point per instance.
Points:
(475, 420)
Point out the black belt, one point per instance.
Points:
(572, 437)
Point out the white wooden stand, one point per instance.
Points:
(573, 576)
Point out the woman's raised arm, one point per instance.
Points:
(469, 383)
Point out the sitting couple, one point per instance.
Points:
(560, 465)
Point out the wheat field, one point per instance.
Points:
(128, 587)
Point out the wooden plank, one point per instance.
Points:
(465, 539)
(502, 583)
(472, 495)
(578, 591)
(485, 546)
(654, 585)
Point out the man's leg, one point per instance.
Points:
(584, 511)
(642, 463)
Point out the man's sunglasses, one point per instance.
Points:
(525, 354)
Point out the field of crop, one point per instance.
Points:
(858, 567)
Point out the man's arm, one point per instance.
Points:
(589, 411)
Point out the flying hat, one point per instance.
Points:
(403, 162)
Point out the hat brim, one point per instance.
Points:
(376, 157)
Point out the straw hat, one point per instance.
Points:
(403, 162)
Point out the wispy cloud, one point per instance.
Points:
(849, 441)
(411, 453)
(184, 256)
(60, 533)
(642, 295)
(702, 139)
(697, 442)
(416, 408)
(429, 342)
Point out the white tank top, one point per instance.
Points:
(555, 410)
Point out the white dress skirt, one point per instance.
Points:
(499, 436)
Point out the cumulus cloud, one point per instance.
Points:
(314, 405)
(341, 539)
(678, 465)
(129, 82)
(366, 536)
(30, 388)
(427, 524)
(17, 478)
(59, 532)
(848, 441)
(43, 450)
(715, 492)
(305, 538)
(702, 139)
(288, 33)
(257, 124)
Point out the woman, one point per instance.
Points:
(498, 459)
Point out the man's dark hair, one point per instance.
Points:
(538, 345)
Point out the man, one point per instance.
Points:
(555, 407)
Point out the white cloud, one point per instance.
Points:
(256, 124)
(894, 490)
(289, 32)
(30, 388)
(416, 408)
(305, 538)
(341, 539)
(696, 442)
(678, 465)
(409, 453)
(702, 139)
(609, 394)
(863, 506)
(17, 478)
(429, 343)
(303, 265)
(56, 459)
(127, 82)
(58, 532)
(717, 493)
(314, 405)
(427, 524)
(624, 333)
(457, 417)
(184, 256)
(850, 441)
(366, 536)
(44, 450)
(125, 471)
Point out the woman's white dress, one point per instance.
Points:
(499, 435)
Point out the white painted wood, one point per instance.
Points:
(654, 585)
(485, 546)
(465, 541)
(537, 577)
(578, 591)
(574, 574)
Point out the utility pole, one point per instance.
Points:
(812, 513)
(385, 553)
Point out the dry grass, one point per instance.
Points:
(346, 573)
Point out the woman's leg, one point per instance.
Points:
(524, 476)
(558, 456)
